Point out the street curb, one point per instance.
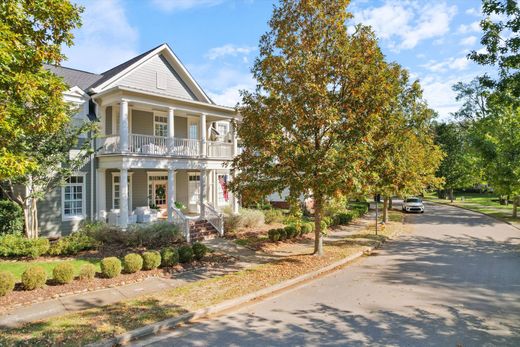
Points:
(226, 305)
(468, 209)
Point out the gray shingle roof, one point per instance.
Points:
(74, 77)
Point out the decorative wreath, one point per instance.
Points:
(160, 192)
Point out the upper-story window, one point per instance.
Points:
(222, 129)
(160, 126)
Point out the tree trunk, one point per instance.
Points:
(318, 236)
(30, 212)
(385, 209)
(515, 207)
(390, 203)
(451, 194)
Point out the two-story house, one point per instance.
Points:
(163, 146)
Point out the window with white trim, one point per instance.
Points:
(116, 190)
(222, 129)
(160, 125)
(73, 198)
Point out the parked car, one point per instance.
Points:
(413, 205)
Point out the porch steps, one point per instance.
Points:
(202, 230)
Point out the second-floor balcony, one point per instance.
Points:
(164, 146)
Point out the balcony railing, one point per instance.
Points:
(162, 146)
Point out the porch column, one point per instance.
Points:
(171, 194)
(202, 191)
(203, 146)
(123, 126)
(234, 141)
(101, 194)
(123, 198)
(234, 198)
(171, 121)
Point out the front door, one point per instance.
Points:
(160, 193)
(193, 192)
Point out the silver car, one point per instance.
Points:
(413, 205)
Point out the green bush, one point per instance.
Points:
(6, 282)
(273, 216)
(327, 220)
(283, 234)
(324, 226)
(111, 267)
(169, 257)
(11, 217)
(185, 254)
(360, 208)
(132, 262)
(34, 277)
(87, 272)
(63, 273)
(17, 245)
(72, 244)
(344, 218)
(274, 235)
(199, 250)
(151, 260)
(291, 231)
(306, 228)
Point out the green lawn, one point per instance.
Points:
(480, 202)
(18, 267)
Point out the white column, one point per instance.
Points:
(234, 140)
(171, 194)
(123, 126)
(171, 122)
(202, 190)
(234, 199)
(101, 194)
(123, 198)
(203, 145)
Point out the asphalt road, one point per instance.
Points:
(453, 281)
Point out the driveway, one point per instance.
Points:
(453, 281)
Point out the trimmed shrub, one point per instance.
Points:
(306, 228)
(185, 254)
(199, 250)
(273, 216)
(17, 245)
(72, 244)
(324, 226)
(291, 231)
(327, 220)
(283, 234)
(250, 218)
(169, 257)
(344, 218)
(11, 217)
(274, 235)
(63, 273)
(132, 262)
(151, 260)
(34, 277)
(111, 267)
(6, 282)
(87, 272)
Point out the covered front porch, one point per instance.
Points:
(181, 196)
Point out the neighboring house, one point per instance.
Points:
(162, 141)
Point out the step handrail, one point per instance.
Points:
(182, 222)
(215, 218)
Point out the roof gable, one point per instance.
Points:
(157, 70)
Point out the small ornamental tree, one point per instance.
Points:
(308, 126)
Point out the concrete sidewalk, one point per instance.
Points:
(245, 258)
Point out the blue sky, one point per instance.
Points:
(217, 39)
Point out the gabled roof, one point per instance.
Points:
(74, 77)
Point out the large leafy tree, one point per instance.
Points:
(35, 121)
(309, 124)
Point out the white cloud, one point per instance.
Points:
(408, 22)
(179, 5)
(474, 11)
(468, 41)
(448, 64)
(469, 28)
(440, 96)
(229, 50)
(105, 40)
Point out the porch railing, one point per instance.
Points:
(220, 149)
(215, 218)
(108, 144)
(185, 147)
(182, 222)
(146, 144)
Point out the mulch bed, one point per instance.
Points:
(20, 297)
